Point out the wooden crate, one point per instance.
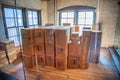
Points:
(61, 63)
(29, 61)
(73, 62)
(2, 55)
(50, 60)
(39, 35)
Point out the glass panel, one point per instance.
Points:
(89, 21)
(29, 14)
(19, 13)
(20, 22)
(30, 22)
(8, 12)
(89, 14)
(35, 21)
(12, 32)
(81, 14)
(63, 21)
(10, 23)
(64, 14)
(70, 14)
(34, 14)
(70, 21)
(36, 26)
(81, 21)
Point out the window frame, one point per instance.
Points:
(76, 18)
(38, 14)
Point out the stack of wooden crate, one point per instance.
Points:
(95, 46)
(74, 50)
(28, 47)
(61, 39)
(10, 49)
(85, 43)
(39, 47)
(3, 59)
(50, 46)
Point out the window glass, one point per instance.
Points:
(70, 14)
(64, 14)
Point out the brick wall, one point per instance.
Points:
(108, 15)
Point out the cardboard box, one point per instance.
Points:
(28, 50)
(84, 66)
(39, 35)
(75, 37)
(29, 61)
(73, 49)
(61, 63)
(50, 60)
(41, 59)
(50, 48)
(61, 51)
(39, 49)
(73, 62)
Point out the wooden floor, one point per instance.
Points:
(104, 70)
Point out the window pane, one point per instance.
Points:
(70, 14)
(81, 14)
(34, 14)
(12, 32)
(64, 14)
(35, 21)
(89, 14)
(20, 22)
(30, 22)
(19, 13)
(10, 23)
(36, 26)
(89, 21)
(63, 21)
(81, 21)
(29, 14)
(70, 21)
(8, 12)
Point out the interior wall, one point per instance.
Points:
(33, 4)
(117, 31)
(108, 15)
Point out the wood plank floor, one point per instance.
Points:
(104, 70)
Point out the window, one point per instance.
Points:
(82, 18)
(85, 19)
(67, 17)
(14, 23)
(33, 19)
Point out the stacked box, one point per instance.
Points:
(29, 61)
(9, 48)
(50, 46)
(74, 50)
(95, 47)
(61, 39)
(86, 38)
(28, 47)
(39, 45)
